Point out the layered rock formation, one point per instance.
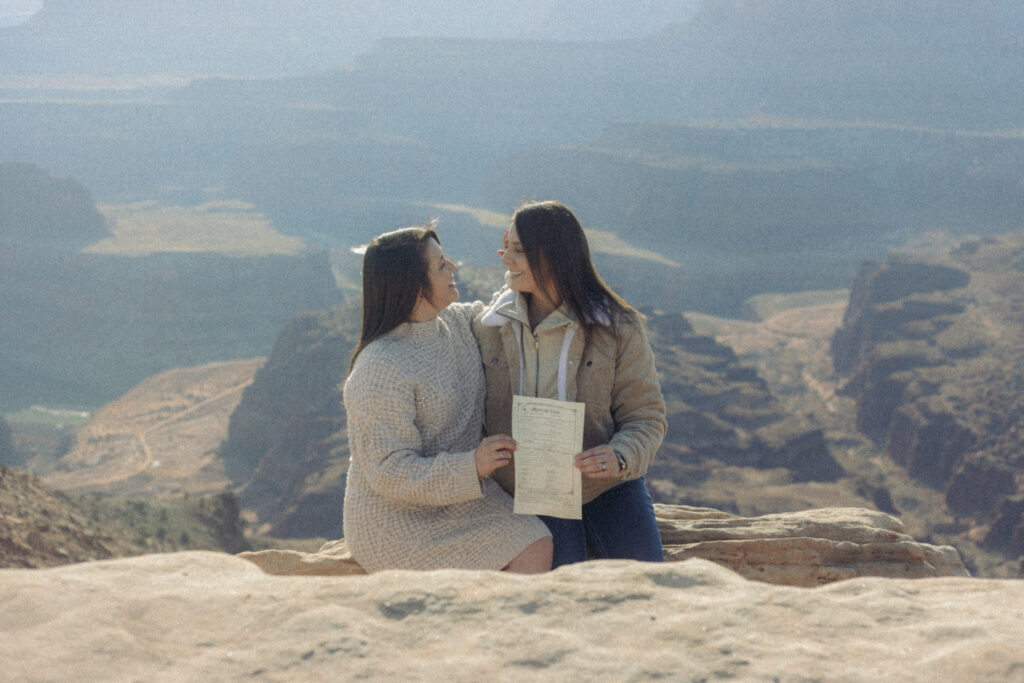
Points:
(210, 616)
(805, 549)
(720, 411)
(931, 348)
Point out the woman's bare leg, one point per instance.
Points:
(535, 558)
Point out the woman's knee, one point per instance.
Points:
(534, 559)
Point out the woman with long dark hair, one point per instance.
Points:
(419, 494)
(558, 331)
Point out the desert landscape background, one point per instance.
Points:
(816, 204)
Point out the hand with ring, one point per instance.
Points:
(492, 453)
(598, 463)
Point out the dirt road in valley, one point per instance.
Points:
(116, 450)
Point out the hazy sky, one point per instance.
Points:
(595, 19)
(17, 11)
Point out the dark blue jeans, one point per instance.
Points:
(618, 524)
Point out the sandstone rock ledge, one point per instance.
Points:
(201, 616)
(807, 548)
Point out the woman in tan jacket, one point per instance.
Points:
(558, 331)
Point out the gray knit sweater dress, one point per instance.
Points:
(413, 500)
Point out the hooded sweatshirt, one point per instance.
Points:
(612, 372)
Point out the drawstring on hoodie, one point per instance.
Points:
(494, 317)
(563, 362)
(563, 359)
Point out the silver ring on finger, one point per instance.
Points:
(604, 466)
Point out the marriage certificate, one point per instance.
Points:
(549, 434)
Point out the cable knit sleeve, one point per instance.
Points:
(381, 402)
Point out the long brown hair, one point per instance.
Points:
(395, 271)
(557, 250)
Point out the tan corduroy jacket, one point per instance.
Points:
(613, 374)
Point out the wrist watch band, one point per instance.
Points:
(621, 461)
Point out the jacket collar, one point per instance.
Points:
(507, 304)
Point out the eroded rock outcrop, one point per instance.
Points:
(42, 527)
(1006, 531)
(286, 441)
(978, 484)
(932, 347)
(720, 411)
(211, 616)
(806, 548)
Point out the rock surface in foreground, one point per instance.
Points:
(805, 548)
(211, 616)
